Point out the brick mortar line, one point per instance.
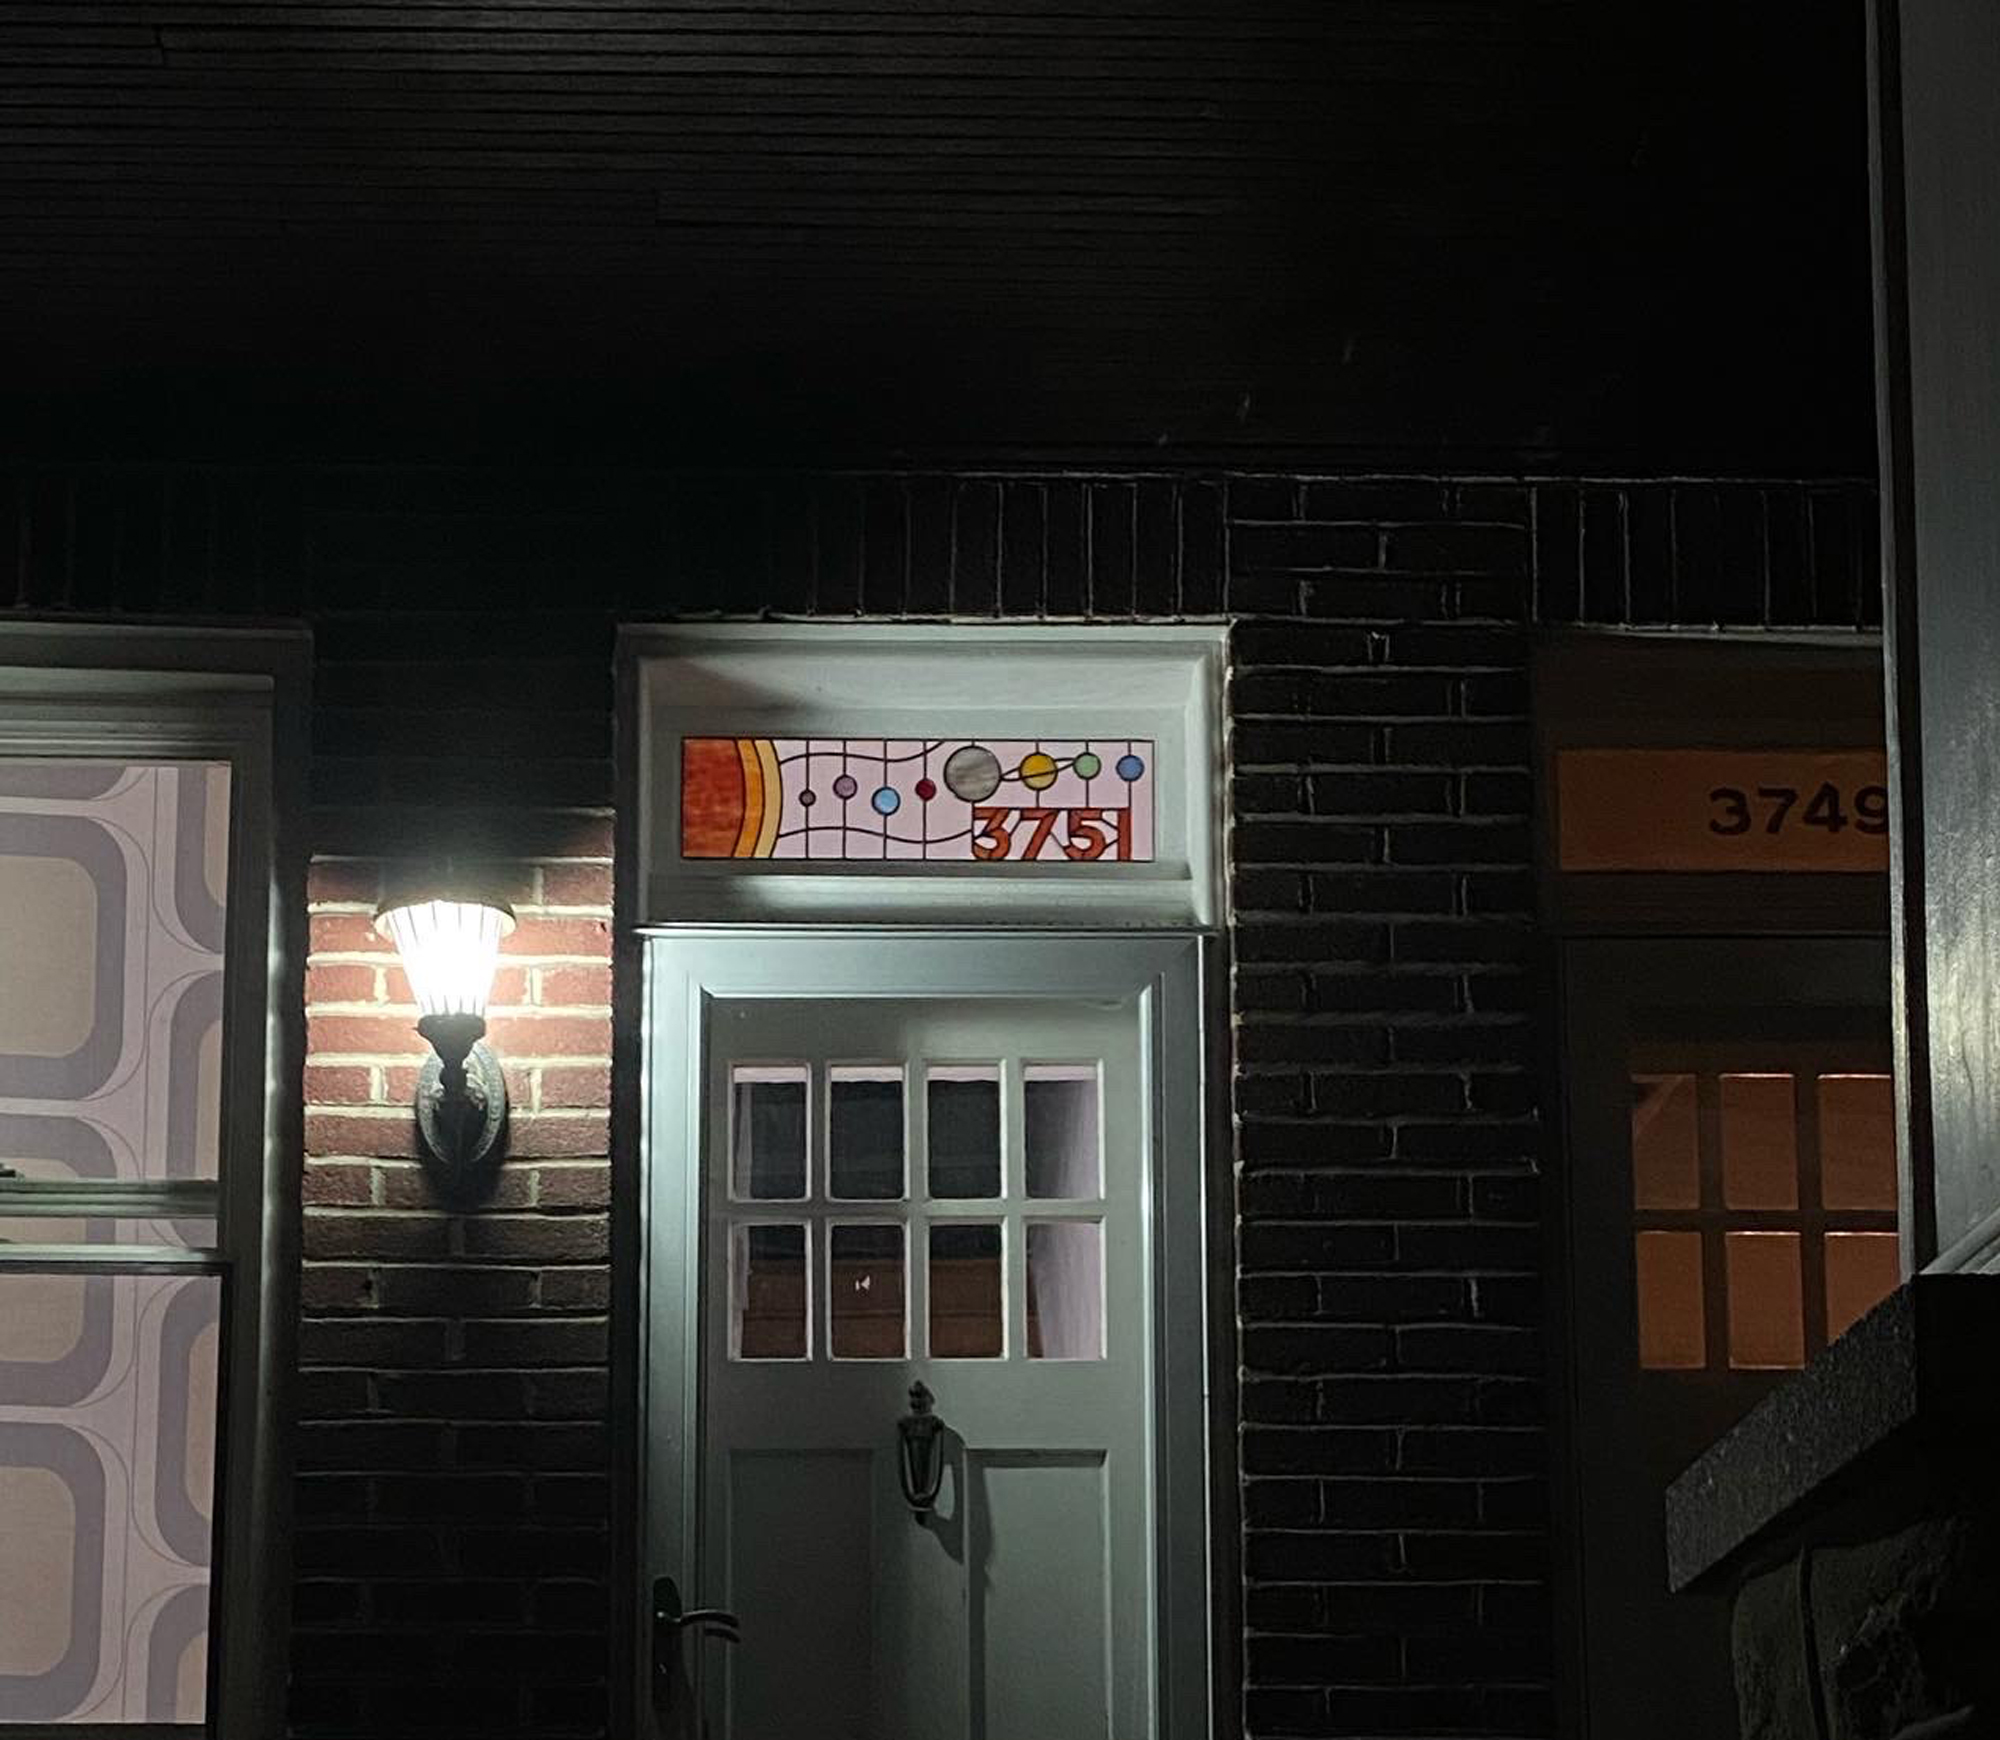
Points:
(1476, 1532)
(408, 1164)
(501, 1011)
(387, 960)
(519, 1060)
(597, 914)
(1309, 769)
(522, 908)
(1467, 1021)
(469, 1368)
(1398, 523)
(1387, 669)
(439, 1211)
(1298, 815)
(386, 957)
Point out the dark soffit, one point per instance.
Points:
(1401, 230)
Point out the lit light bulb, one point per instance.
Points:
(450, 949)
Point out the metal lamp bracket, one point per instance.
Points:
(460, 1131)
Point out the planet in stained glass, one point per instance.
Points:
(887, 800)
(926, 789)
(1087, 766)
(1130, 767)
(844, 786)
(972, 772)
(807, 799)
(1038, 770)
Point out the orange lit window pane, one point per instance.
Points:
(1760, 1165)
(1857, 1142)
(865, 1290)
(1666, 1138)
(1671, 1336)
(1767, 1328)
(1862, 1269)
(968, 1290)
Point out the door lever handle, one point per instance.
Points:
(670, 1619)
(670, 1616)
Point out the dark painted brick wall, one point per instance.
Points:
(452, 1538)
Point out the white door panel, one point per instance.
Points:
(1015, 1258)
(1019, 1610)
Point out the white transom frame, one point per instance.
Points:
(1154, 682)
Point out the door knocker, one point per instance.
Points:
(920, 1452)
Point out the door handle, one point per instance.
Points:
(670, 1619)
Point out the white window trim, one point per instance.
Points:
(153, 692)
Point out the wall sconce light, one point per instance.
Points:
(450, 944)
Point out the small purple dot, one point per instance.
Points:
(844, 786)
(807, 799)
(926, 789)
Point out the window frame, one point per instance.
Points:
(1151, 681)
(148, 691)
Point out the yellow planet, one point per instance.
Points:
(1038, 770)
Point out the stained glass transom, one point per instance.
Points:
(951, 799)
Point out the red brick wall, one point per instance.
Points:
(452, 1490)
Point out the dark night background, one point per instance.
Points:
(1549, 236)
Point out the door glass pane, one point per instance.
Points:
(1857, 1142)
(1760, 1149)
(767, 1139)
(865, 1318)
(1862, 1269)
(1065, 1289)
(963, 1108)
(1059, 1128)
(1767, 1329)
(113, 890)
(865, 1132)
(107, 1468)
(967, 1313)
(1666, 1142)
(1673, 1333)
(767, 1290)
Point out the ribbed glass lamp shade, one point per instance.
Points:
(449, 949)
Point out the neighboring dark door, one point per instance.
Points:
(1732, 1208)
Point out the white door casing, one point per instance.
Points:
(1061, 1587)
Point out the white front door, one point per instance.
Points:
(911, 1168)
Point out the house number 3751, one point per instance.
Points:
(1087, 832)
(1735, 809)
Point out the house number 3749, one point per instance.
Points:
(1777, 809)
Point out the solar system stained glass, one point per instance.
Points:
(943, 799)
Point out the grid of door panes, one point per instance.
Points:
(887, 1209)
(113, 913)
(1764, 1203)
